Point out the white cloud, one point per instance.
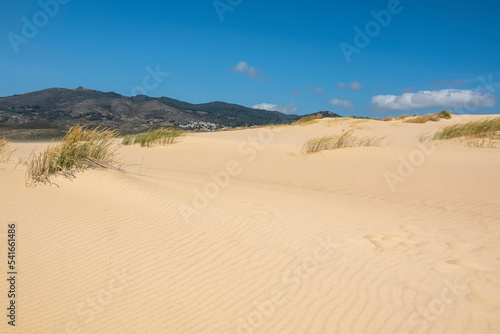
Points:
(445, 98)
(251, 71)
(342, 103)
(355, 85)
(266, 106)
(289, 108)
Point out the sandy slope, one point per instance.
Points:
(283, 243)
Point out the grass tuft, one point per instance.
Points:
(156, 137)
(5, 153)
(345, 139)
(429, 117)
(80, 148)
(481, 129)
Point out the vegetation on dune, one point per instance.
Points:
(345, 139)
(80, 148)
(482, 129)
(5, 153)
(421, 119)
(429, 117)
(160, 136)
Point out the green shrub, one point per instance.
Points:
(445, 114)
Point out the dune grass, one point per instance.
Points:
(160, 136)
(420, 119)
(79, 149)
(5, 153)
(345, 139)
(428, 117)
(482, 129)
(402, 117)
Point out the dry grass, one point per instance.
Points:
(428, 117)
(423, 138)
(5, 152)
(345, 139)
(79, 149)
(477, 133)
(156, 137)
(419, 119)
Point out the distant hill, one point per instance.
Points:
(323, 114)
(59, 108)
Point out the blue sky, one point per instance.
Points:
(293, 56)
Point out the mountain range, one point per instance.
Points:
(59, 108)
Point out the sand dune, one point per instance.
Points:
(237, 232)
